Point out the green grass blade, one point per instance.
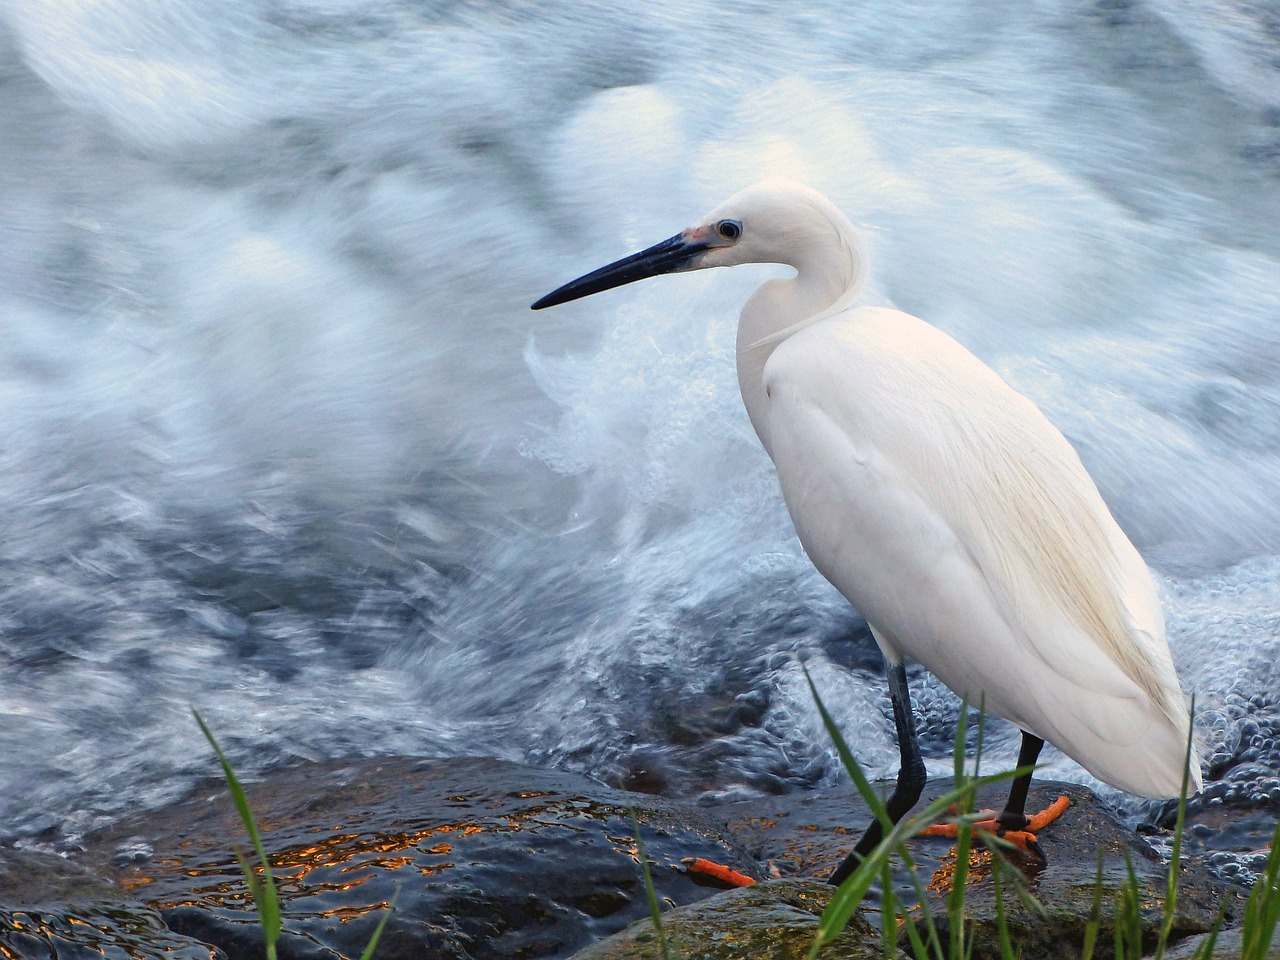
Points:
(1002, 923)
(1262, 908)
(957, 750)
(846, 899)
(964, 836)
(926, 915)
(1175, 857)
(1014, 879)
(959, 879)
(851, 892)
(888, 913)
(1205, 950)
(1095, 915)
(955, 899)
(655, 912)
(377, 933)
(264, 891)
(1128, 939)
(918, 948)
(982, 727)
(250, 876)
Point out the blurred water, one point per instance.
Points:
(284, 442)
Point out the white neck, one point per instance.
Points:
(828, 278)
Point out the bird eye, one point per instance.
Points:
(729, 229)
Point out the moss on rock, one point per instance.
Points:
(777, 920)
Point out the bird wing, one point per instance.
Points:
(962, 524)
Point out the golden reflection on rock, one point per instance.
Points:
(981, 866)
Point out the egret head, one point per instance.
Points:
(774, 221)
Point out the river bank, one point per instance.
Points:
(487, 859)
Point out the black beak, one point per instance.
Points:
(672, 254)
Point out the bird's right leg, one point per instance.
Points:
(911, 774)
(1014, 816)
(1012, 823)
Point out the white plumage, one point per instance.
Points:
(937, 499)
(962, 526)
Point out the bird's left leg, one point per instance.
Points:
(911, 774)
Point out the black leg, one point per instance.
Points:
(911, 775)
(1014, 816)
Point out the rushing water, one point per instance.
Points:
(282, 440)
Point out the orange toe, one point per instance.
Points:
(1035, 824)
(1020, 838)
(1048, 814)
(951, 830)
(716, 871)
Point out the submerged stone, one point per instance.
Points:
(1227, 945)
(54, 910)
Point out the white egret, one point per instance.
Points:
(943, 504)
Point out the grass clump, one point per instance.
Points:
(920, 933)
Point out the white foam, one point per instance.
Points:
(282, 432)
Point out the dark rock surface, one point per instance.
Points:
(483, 859)
(50, 908)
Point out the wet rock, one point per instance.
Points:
(1233, 841)
(483, 859)
(50, 908)
(1229, 945)
(777, 920)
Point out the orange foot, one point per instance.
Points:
(1026, 839)
(709, 869)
